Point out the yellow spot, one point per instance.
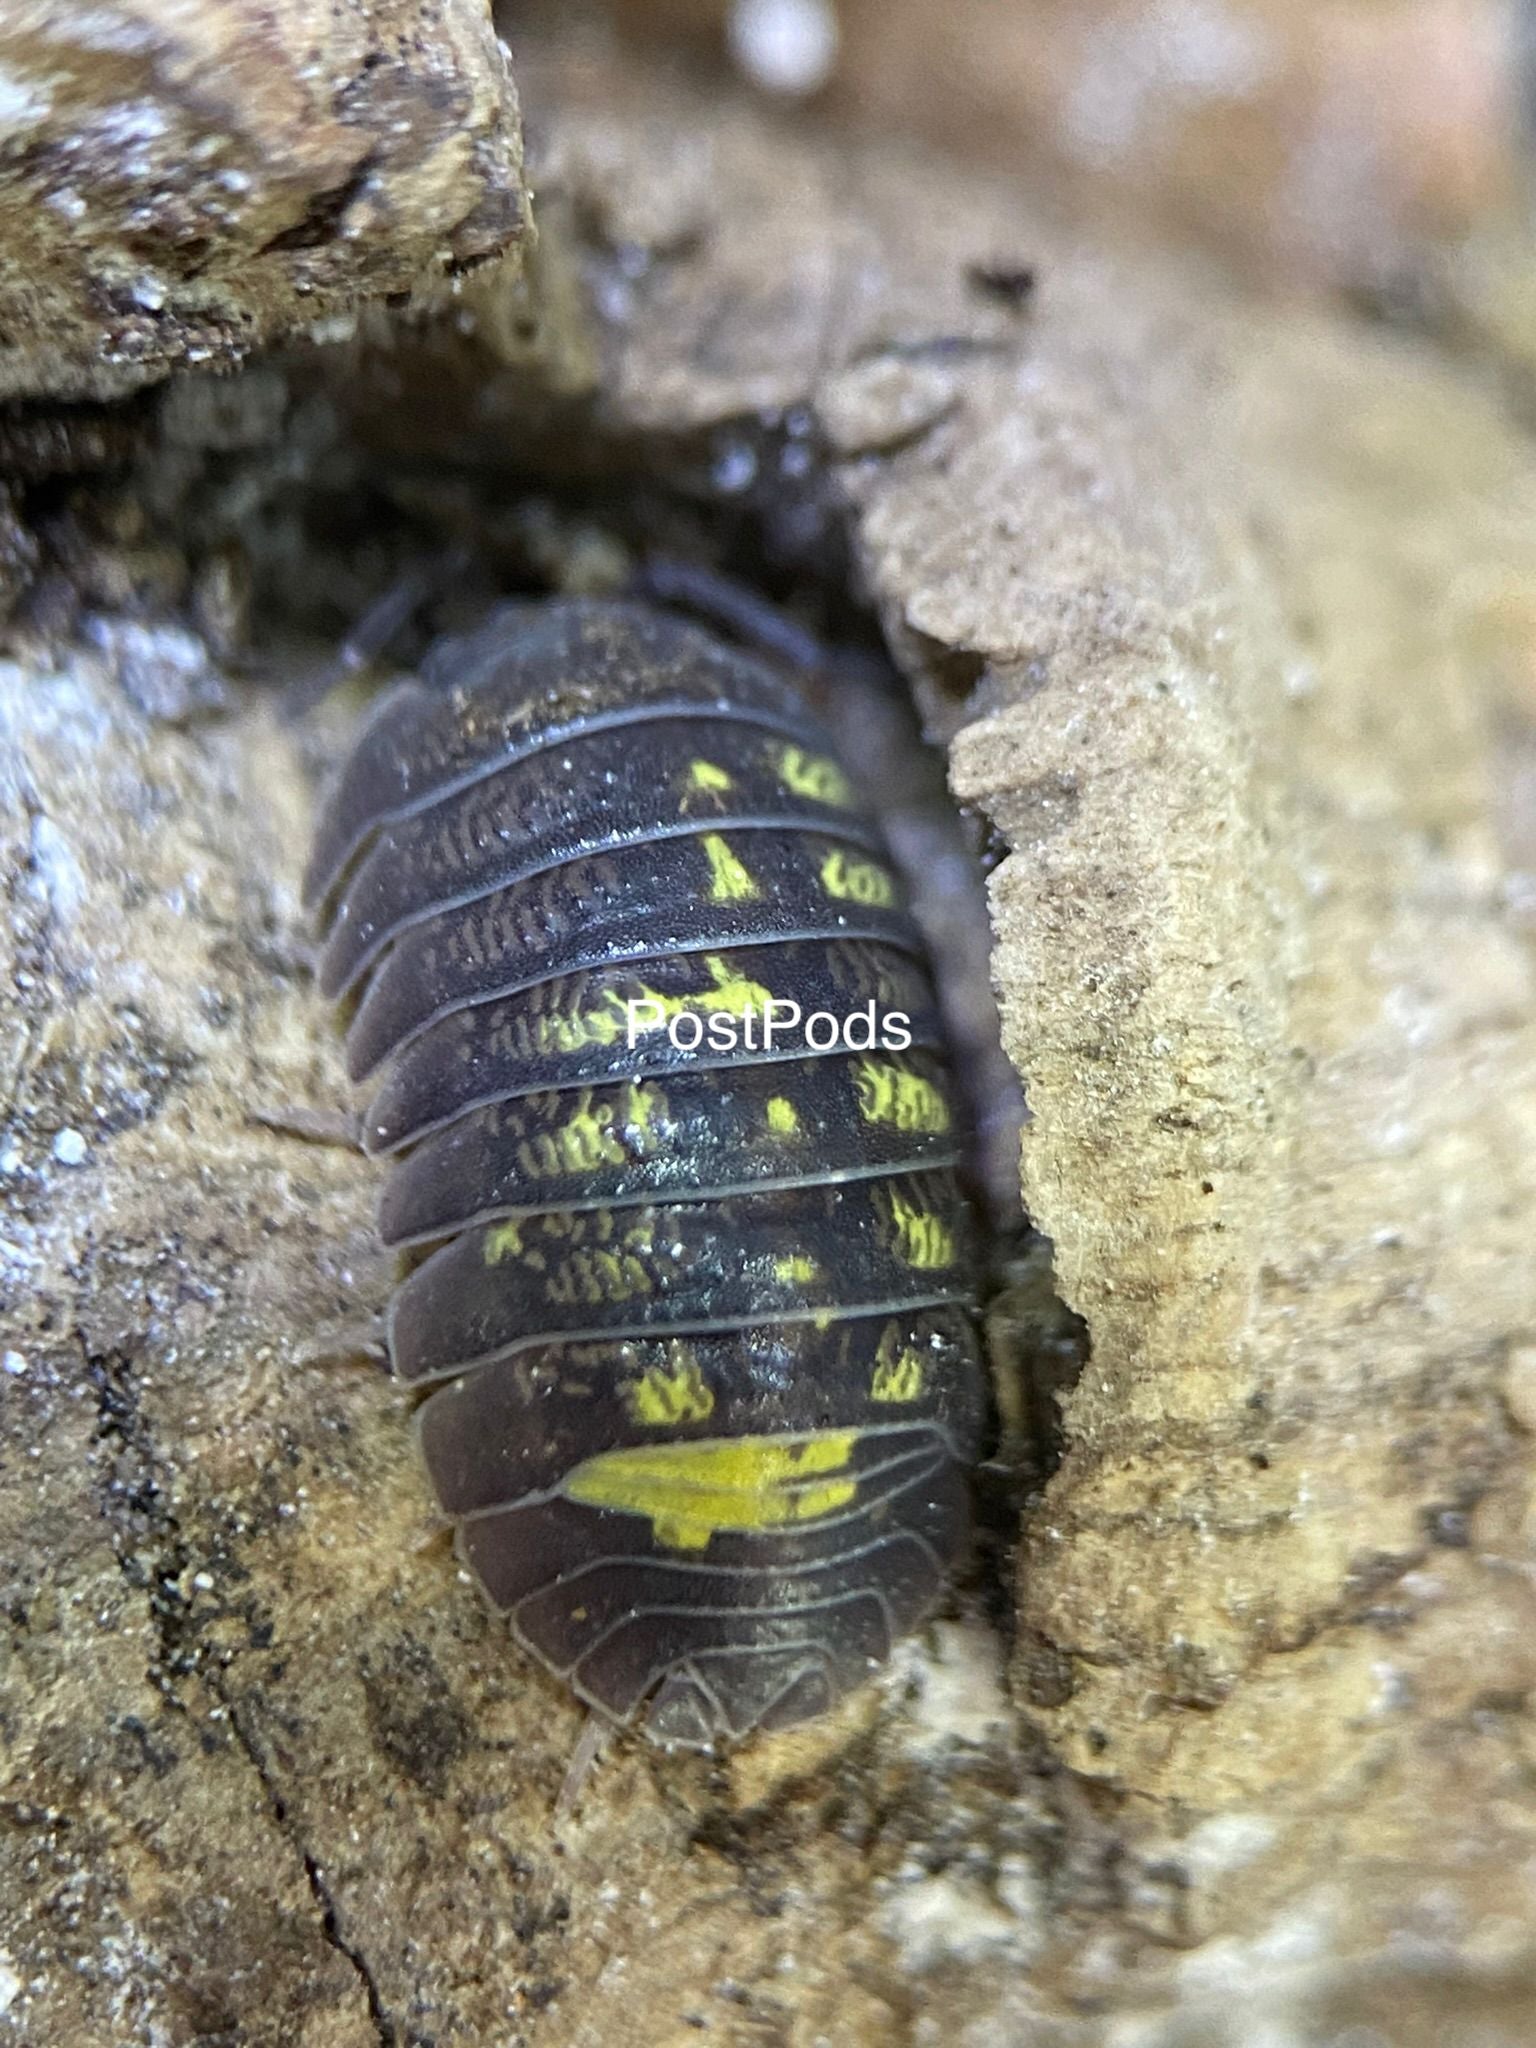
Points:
(732, 993)
(729, 881)
(707, 778)
(898, 1373)
(595, 1278)
(729, 992)
(923, 1240)
(889, 1094)
(570, 1034)
(852, 880)
(670, 1393)
(585, 1140)
(782, 1116)
(691, 1490)
(796, 1270)
(645, 1108)
(504, 1242)
(814, 776)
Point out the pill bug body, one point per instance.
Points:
(695, 1309)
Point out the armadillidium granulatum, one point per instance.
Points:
(699, 1319)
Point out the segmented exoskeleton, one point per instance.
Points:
(700, 1314)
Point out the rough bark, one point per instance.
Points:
(179, 184)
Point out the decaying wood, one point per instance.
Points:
(1229, 623)
(179, 184)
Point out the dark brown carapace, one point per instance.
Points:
(698, 1308)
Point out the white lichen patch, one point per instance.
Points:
(23, 102)
(1224, 1843)
(954, 1917)
(1297, 1939)
(951, 1684)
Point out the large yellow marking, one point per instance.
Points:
(730, 992)
(670, 1393)
(923, 1240)
(692, 1490)
(729, 880)
(889, 1094)
(899, 1373)
(504, 1242)
(783, 1119)
(851, 880)
(795, 1270)
(814, 776)
(709, 780)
